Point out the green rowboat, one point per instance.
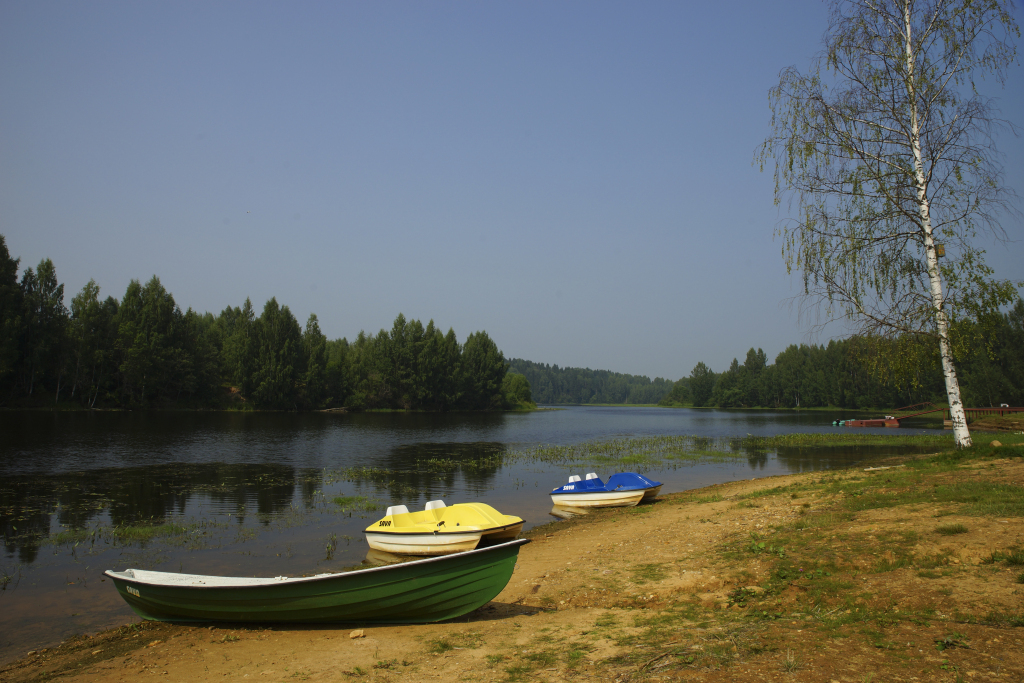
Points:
(416, 592)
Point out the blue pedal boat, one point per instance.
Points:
(624, 489)
(629, 481)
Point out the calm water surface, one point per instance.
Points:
(251, 494)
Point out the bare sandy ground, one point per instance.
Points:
(651, 593)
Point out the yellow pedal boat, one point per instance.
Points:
(440, 529)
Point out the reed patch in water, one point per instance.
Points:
(638, 452)
(358, 503)
(182, 532)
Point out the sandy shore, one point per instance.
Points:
(677, 590)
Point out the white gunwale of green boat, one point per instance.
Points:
(146, 577)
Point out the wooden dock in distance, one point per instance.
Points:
(926, 408)
(880, 422)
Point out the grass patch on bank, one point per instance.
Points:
(977, 498)
(470, 640)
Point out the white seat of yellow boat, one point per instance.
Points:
(440, 529)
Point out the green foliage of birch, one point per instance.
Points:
(887, 149)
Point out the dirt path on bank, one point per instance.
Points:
(812, 577)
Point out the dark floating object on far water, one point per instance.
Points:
(624, 489)
(416, 592)
(887, 421)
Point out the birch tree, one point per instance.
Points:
(886, 152)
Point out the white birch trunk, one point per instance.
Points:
(961, 435)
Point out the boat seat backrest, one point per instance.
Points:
(591, 475)
(573, 478)
(396, 510)
(435, 504)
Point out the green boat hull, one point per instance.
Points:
(417, 592)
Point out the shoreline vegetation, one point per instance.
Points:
(912, 566)
(857, 374)
(143, 351)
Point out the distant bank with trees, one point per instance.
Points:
(859, 373)
(144, 351)
(865, 372)
(552, 385)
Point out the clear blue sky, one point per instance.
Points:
(573, 177)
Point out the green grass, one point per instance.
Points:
(574, 658)
(1013, 557)
(470, 640)
(517, 672)
(543, 658)
(713, 498)
(642, 573)
(824, 520)
(951, 529)
(977, 498)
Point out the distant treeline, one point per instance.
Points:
(144, 351)
(553, 385)
(867, 373)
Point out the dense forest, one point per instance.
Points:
(863, 373)
(553, 385)
(144, 351)
(854, 373)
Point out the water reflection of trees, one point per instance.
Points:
(809, 459)
(431, 470)
(796, 459)
(757, 458)
(127, 496)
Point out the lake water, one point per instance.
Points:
(249, 494)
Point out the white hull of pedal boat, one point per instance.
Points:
(566, 512)
(651, 493)
(598, 499)
(501, 535)
(441, 530)
(423, 544)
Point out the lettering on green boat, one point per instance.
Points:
(134, 591)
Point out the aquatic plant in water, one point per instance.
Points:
(632, 452)
(357, 503)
